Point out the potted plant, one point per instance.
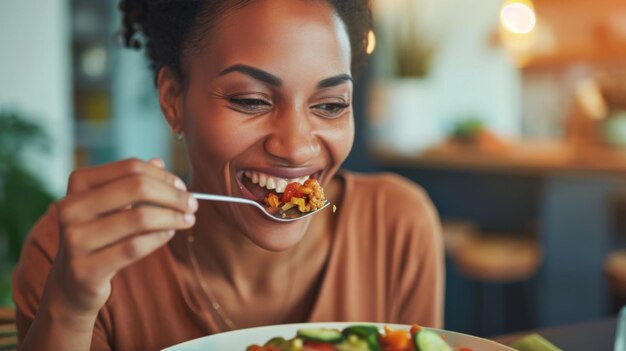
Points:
(401, 96)
(23, 198)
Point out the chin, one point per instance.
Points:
(275, 236)
(264, 232)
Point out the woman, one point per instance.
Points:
(256, 89)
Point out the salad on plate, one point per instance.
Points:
(358, 338)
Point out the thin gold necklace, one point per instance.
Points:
(226, 321)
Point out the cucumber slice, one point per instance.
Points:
(321, 335)
(277, 341)
(368, 333)
(427, 340)
(353, 343)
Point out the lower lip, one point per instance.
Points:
(244, 191)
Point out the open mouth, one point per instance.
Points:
(257, 185)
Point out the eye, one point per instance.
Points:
(330, 109)
(250, 105)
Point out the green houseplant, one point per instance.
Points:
(402, 101)
(23, 198)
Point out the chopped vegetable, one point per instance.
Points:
(427, 340)
(321, 335)
(368, 333)
(291, 191)
(272, 200)
(415, 329)
(361, 337)
(353, 343)
(318, 346)
(399, 340)
(263, 348)
(306, 197)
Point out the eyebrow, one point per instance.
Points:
(271, 79)
(255, 73)
(334, 81)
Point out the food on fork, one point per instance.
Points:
(305, 197)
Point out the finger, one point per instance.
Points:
(93, 177)
(107, 262)
(117, 195)
(106, 231)
(157, 162)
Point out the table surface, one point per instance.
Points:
(526, 157)
(598, 336)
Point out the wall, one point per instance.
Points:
(139, 128)
(35, 79)
(470, 78)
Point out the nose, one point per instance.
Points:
(293, 138)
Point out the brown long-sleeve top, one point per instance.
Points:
(385, 265)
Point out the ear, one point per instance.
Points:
(171, 98)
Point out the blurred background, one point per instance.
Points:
(511, 114)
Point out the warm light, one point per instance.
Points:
(590, 97)
(518, 16)
(371, 42)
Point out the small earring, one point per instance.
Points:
(179, 136)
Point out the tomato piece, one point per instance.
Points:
(318, 346)
(465, 349)
(415, 328)
(291, 191)
(396, 339)
(263, 348)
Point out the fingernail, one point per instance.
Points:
(171, 233)
(158, 162)
(190, 218)
(193, 203)
(179, 184)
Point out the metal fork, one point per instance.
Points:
(275, 214)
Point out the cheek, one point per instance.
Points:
(216, 133)
(339, 139)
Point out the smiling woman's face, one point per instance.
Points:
(268, 99)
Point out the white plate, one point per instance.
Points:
(238, 340)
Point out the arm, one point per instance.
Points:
(30, 278)
(103, 226)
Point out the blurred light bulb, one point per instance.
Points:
(371, 42)
(518, 16)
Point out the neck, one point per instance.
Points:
(228, 248)
(241, 272)
(222, 247)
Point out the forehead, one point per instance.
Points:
(288, 37)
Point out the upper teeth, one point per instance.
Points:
(272, 182)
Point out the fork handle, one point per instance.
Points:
(223, 198)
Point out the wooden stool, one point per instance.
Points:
(456, 234)
(495, 263)
(615, 270)
(498, 258)
(8, 331)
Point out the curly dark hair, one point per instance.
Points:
(169, 29)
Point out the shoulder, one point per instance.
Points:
(389, 193)
(391, 209)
